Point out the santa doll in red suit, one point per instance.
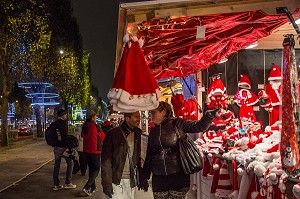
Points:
(273, 89)
(244, 96)
(216, 96)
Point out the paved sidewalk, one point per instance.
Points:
(26, 173)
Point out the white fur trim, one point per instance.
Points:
(222, 193)
(254, 194)
(259, 170)
(275, 78)
(234, 195)
(216, 166)
(123, 100)
(244, 85)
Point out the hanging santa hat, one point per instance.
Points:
(216, 88)
(254, 188)
(215, 180)
(177, 102)
(235, 192)
(134, 87)
(244, 82)
(224, 188)
(206, 167)
(275, 73)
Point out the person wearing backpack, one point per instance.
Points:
(60, 145)
(93, 137)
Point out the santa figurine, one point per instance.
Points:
(216, 96)
(244, 96)
(273, 90)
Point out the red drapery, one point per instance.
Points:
(171, 48)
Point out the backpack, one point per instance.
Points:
(51, 134)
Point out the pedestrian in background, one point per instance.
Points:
(162, 157)
(106, 126)
(121, 158)
(61, 146)
(82, 163)
(93, 137)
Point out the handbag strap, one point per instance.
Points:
(177, 131)
(128, 148)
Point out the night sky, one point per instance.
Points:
(98, 23)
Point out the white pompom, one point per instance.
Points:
(134, 38)
(141, 42)
(126, 38)
(216, 166)
(240, 171)
(254, 194)
(272, 176)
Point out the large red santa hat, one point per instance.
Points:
(244, 82)
(275, 73)
(206, 167)
(224, 188)
(134, 87)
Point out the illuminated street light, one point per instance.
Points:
(61, 52)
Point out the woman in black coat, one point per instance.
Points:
(162, 158)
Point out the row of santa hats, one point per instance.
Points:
(271, 185)
(187, 109)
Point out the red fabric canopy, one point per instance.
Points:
(171, 48)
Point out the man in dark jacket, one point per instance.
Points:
(60, 147)
(121, 157)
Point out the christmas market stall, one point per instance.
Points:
(239, 56)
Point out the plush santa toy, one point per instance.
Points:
(244, 96)
(216, 96)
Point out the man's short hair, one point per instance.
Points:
(128, 114)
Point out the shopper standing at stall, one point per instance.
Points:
(162, 159)
(60, 146)
(93, 137)
(121, 158)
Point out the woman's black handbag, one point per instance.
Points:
(190, 157)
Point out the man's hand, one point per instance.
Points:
(144, 186)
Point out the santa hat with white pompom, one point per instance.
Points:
(224, 188)
(134, 87)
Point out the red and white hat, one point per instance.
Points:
(216, 88)
(206, 167)
(214, 184)
(224, 187)
(275, 73)
(254, 188)
(244, 82)
(134, 87)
